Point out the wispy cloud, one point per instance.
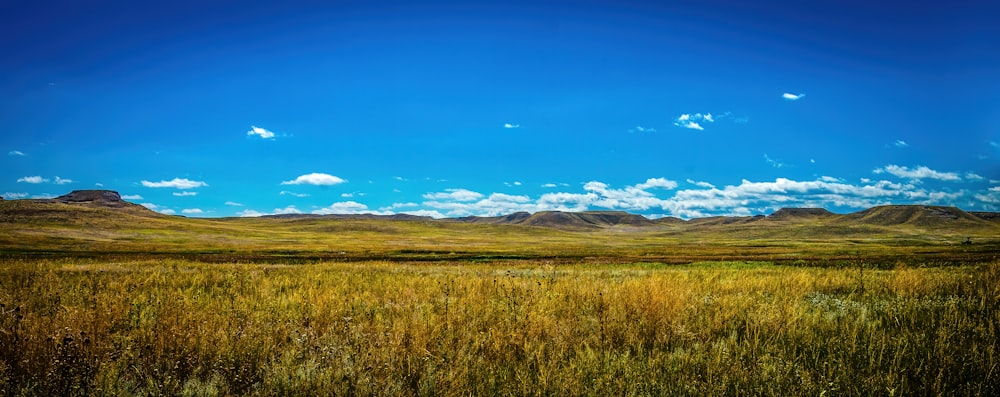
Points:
(157, 208)
(293, 194)
(32, 179)
(192, 211)
(177, 183)
(776, 163)
(640, 129)
(263, 133)
(900, 143)
(233, 204)
(132, 197)
(185, 194)
(972, 176)
(349, 207)
(15, 153)
(289, 210)
(515, 183)
(13, 196)
(510, 126)
(316, 178)
(454, 194)
(701, 184)
(920, 172)
(792, 97)
(62, 181)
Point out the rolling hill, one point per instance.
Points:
(101, 221)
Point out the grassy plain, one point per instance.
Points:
(123, 301)
(181, 327)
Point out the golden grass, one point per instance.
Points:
(170, 326)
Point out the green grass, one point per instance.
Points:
(523, 327)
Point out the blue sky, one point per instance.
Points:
(455, 108)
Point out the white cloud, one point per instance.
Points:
(900, 143)
(921, 172)
(549, 185)
(192, 211)
(287, 210)
(346, 195)
(454, 194)
(774, 162)
(640, 128)
(263, 133)
(690, 125)
(693, 121)
(14, 196)
(62, 181)
(347, 208)
(515, 183)
(972, 176)
(430, 213)
(185, 194)
(250, 214)
(511, 126)
(15, 153)
(32, 179)
(98, 184)
(704, 199)
(178, 183)
(233, 204)
(131, 197)
(661, 183)
(396, 206)
(700, 183)
(293, 194)
(792, 97)
(157, 208)
(315, 178)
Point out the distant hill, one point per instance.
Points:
(77, 206)
(914, 215)
(101, 221)
(989, 216)
(97, 208)
(800, 214)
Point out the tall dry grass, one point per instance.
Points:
(78, 327)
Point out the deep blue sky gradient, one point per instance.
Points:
(407, 104)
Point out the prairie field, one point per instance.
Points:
(138, 325)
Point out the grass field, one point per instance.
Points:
(139, 326)
(98, 300)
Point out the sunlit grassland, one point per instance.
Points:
(172, 326)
